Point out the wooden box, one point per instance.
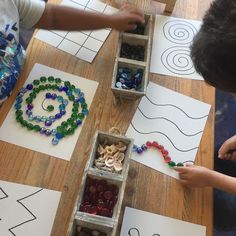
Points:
(105, 224)
(133, 39)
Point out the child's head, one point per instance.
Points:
(214, 48)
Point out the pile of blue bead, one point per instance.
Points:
(128, 78)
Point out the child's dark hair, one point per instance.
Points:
(214, 47)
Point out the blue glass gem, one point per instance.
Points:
(31, 117)
(48, 95)
(79, 122)
(54, 96)
(135, 147)
(68, 93)
(54, 131)
(122, 80)
(62, 112)
(43, 118)
(65, 102)
(19, 100)
(81, 99)
(118, 84)
(144, 147)
(62, 107)
(55, 141)
(48, 132)
(82, 94)
(76, 100)
(60, 88)
(28, 112)
(139, 150)
(59, 99)
(59, 136)
(17, 106)
(42, 130)
(65, 88)
(85, 111)
(124, 76)
(29, 86)
(38, 119)
(30, 106)
(58, 116)
(77, 91)
(48, 123)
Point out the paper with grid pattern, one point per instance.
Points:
(83, 44)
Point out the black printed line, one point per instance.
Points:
(6, 196)
(157, 132)
(171, 105)
(163, 118)
(34, 217)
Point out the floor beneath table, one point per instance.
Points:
(225, 127)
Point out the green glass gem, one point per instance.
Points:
(76, 105)
(36, 128)
(30, 126)
(43, 118)
(24, 123)
(74, 126)
(36, 82)
(54, 87)
(70, 131)
(74, 116)
(32, 95)
(29, 100)
(19, 112)
(72, 87)
(64, 124)
(171, 164)
(48, 86)
(71, 98)
(70, 120)
(75, 110)
(58, 80)
(42, 87)
(36, 90)
(67, 84)
(43, 79)
(51, 79)
(180, 164)
(50, 108)
(59, 129)
(84, 105)
(81, 116)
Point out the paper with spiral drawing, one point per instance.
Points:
(170, 49)
(12, 132)
(173, 120)
(27, 210)
(142, 223)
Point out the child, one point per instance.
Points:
(29, 13)
(213, 53)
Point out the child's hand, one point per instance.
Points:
(194, 176)
(127, 18)
(227, 150)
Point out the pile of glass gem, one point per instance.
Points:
(53, 89)
(127, 78)
(100, 197)
(159, 148)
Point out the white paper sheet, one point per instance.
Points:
(173, 120)
(141, 223)
(12, 132)
(85, 44)
(27, 210)
(170, 49)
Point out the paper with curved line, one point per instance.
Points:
(26, 210)
(170, 49)
(172, 119)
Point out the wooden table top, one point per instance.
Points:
(162, 195)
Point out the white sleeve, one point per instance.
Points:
(30, 11)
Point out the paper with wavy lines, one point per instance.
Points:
(170, 49)
(27, 210)
(173, 120)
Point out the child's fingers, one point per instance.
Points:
(181, 169)
(189, 164)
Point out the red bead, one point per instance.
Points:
(155, 144)
(108, 195)
(164, 152)
(167, 159)
(148, 144)
(160, 147)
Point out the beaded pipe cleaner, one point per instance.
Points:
(55, 84)
(161, 149)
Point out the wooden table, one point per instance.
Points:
(160, 194)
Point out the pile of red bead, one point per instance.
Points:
(160, 148)
(100, 197)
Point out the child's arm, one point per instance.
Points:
(67, 18)
(227, 150)
(197, 176)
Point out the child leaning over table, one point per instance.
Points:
(29, 13)
(214, 56)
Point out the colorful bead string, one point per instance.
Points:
(66, 128)
(161, 149)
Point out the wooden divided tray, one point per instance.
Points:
(131, 68)
(98, 205)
